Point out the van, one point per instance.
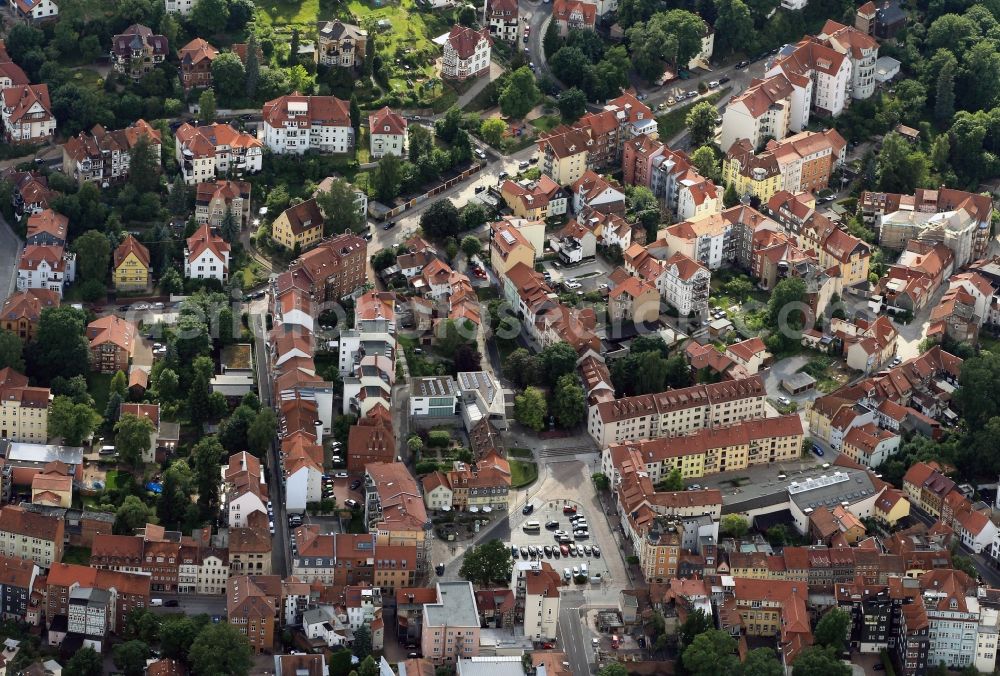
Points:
(107, 450)
(155, 603)
(583, 569)
(532, 527)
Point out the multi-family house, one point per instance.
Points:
(103, 157)
(592, 192)
(23, 309)
(634, 300)
(127, 591)
(574, 15)
(466, 53)
(799, 163)
(250, 546)
(196, 59)
(130, 266)
(386, 133)
(535, 200)
(763, 110)
(47, 227)
(112, 343)
(252, 611)
(394, 508)
(297, 123)
(509, 246)
(29, 535)
(45, 267)
(213, 199)
(26, 114)
(341, 44)
(298, 227)
(137, 50)
(565, 152)
(35, 11)
(503, 18)
(215, 149)
(206, 255)
(18, 578)
(450, 625)
(24, 410)
(244, 488)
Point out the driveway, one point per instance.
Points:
(781, 370)
(910, 335)
(591, 273)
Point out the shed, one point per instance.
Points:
(797, 383)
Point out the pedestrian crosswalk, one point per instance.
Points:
(564, 451)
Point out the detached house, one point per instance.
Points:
(196, 63)
(206, 256)
(203, 152)
(45, 267)
(47, 227)
(214, 198)
(466, 53)
(574, 15)
(27, 114)
(137, 51)
(35, 10)
(386, 133)
(130, 265)
(341, 44)
(22, 310)
(502, 18)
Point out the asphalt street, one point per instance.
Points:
(191, 604)
(571, 634)
(10, 249)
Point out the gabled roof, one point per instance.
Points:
(21, 99)
(49, 222)
(385, 121)
(195, 52)
(464, 40)
(204, 239)
(304, 216)
(130, 245)
(112, 329)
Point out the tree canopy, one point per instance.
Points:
(487, 563)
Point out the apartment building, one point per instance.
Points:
(716, 449)
(466, 53)
(18, 579)
(299, 226)
(340, 44)
(860, 49)
(565, 154)
(635, 301)
(29, 535)
(509, 246)
(709, 240)
(820, 76)
(769, 608)
(250, 546)
(536, 586)
(137, 50)
(334, 268)
(371, 440)
(294, 124)
(26, 114)
(502, 17)
(802, 162)
(24, 410)
(477, 485)
(218, 149)
(676, 411)
(127, 592)
(394, 507)
(252, 611)
(574, 15)
(103, 157)
(450, 626)
(48, 267)
(534, 200)
(764, 109)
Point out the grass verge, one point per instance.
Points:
(522, 473)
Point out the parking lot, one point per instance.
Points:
(590, 274)
(548, 511)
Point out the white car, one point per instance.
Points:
(784, 401)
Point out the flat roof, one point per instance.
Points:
(457, 607)
(764, 488)
(18, 451)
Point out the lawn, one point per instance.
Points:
(111, 477)
(671, 123)
(76, 555)
(99, 385)
(520, 453)
(287, 12)
(522, 473)
(545, 122)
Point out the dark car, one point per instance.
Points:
(742, 64)
(439, 569)
(389, 226)
(528, 509)
(724, 79)
(355, 484)
(171, 603)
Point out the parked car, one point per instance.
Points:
(713, 84)
(528, 509)
(569, 509)
(597, 552)
(551, 525)
(356, 484)
(724, 79)
(742, 64)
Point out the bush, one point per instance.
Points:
(426, 467)
(438, 439)
(92, 290)
(580, 579)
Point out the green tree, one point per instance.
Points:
(711, 653)
(944, 98)
(93, 255)
(734, 525)
(601, 481)
(206, 457)
(706, 162)
(143, 166)
(220, 649)
(355, 112)
(522, 368)
(177, 634)
(261, 432)
(557, 360)
(733, 26)
(177, 200)
(520, 94)
(229, 76)
(387, 178)
(978, 394)
(569, 404)
(730, 198)
(700, 122)
(473, 216)
(420, 142)
(572, 104)
(694, 624)
(132, 514)
(673, 482)
(551, 41)
(818, 661)
(492, 131)
(487, 563)
(613, 669)
(471, 246)
(832, 629)
(174, 499)
(71, 422)
(119, 384)
(530, 408)
(132, 435)
(209, 17)
(786, 306)
(901, 168)
(166, 385)
(84, 662)
(252, 67)
(130, 657)
(206, 105)
(143, 625)
(447, 127)
(762, 662)
(441, 220)
(362, 646)
(340, 212)
(11, 349)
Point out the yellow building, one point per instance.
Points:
(660, 550)
(24, 410)
(751, 175)
(892, 506)
(131, 265)
(301, 224)
(52, 486)
(508, 247)
(564, 154)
